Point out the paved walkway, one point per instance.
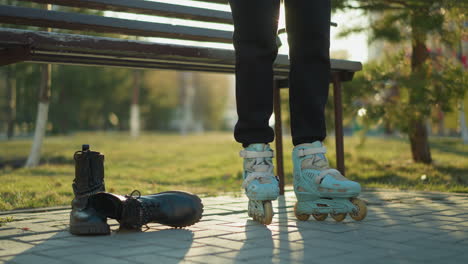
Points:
(401, 227)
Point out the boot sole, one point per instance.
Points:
(89, 229)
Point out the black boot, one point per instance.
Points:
(173, 208)
(89, 180)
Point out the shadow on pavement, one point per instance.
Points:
(258, 239)
(156, 245)
(401, 227)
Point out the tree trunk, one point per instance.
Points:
(134, 109)
(463, 127)
(42, 112)
(440, 123)
(187, 98)
(41, 120)
(419, 143)
(10, 84)
(418, 137)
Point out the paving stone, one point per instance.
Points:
(9, 247)
(464, 224)
(312, 253)
(94, 258)
(455, 259)
(422, 230)
(11, 231)
(211, 233)
(155, 257)
(326, 242)
(96, 240)
(436, 244)
(214, 241)
(423, 254)
(404, 236)
(51, 227)
(246, 236)
(281, 245)
(249, 253)
(455, 236)
(367, 257)
(384, 245)
(211, 259)
(383, 223)
(231, 229)
(139, 238)
(194, 251)
(282, 228)
(136, 251)
(38, 238)
(84, 249)
(55, 244)
(32, 258)
(175, 243)
(452, 219)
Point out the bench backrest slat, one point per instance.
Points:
(75, 21)
(147, 8)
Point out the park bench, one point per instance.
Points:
(74, 45)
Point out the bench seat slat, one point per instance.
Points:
(147, 8)
(74, 21)
(51, 47)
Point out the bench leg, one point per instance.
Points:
(338, 123)
(14, 55)
(278, 135)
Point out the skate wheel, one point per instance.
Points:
(361, 209)
(268, 213)
(300, 217)
(338, 217)
(320, 217)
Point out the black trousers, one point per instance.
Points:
(308, 28)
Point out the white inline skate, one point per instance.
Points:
(260, 183)
(320, 190)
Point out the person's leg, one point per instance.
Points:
(255, 33)
(319, 189)
(308, 28)
(256, 23)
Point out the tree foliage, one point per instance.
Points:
(417, 80)
(99, 98)
(401, 17)
(391, 93)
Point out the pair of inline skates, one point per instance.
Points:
(320, 190)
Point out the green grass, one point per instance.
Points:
(4, 220)
(209, 164)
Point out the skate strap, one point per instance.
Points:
(255, 154)
(262, 168)
(254, 176)
(311, 151)
(335, 174)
